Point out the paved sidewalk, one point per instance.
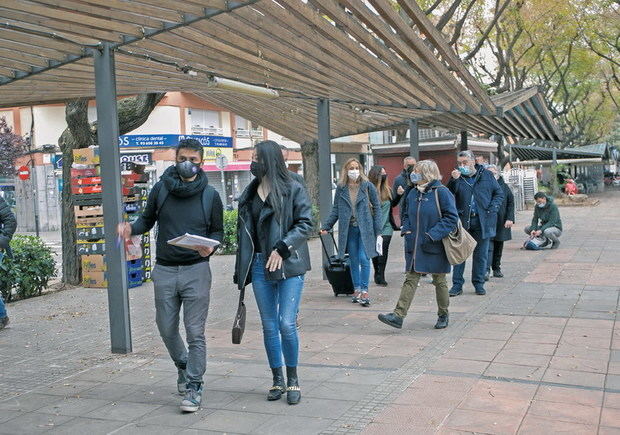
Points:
(540, 353)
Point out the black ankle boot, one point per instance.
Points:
(293, 392)
(381, 281)
(275, 392)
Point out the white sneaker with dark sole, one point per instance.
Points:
(192, 400)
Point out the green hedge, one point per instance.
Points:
(229, 245)
(30, 269)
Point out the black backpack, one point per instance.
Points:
(207, 199)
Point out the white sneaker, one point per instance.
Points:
(192, 400)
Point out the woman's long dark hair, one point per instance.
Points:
(269, 154)
(374, 176)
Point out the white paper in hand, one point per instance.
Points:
(190, 241)
(379, 246)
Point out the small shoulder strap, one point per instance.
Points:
(437, 202)
(162, 195)
(207, 202)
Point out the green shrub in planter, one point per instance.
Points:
(229, 244)
(30, 269)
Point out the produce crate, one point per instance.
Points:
(93, 263)
(88, 214)
(90, 232)
(85, 247)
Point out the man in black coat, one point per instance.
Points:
(401, 182)
(505, 221)
(8, 225)
(183, 202)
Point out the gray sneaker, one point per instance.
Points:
(193, 398)
(182, 381)
(4, 322)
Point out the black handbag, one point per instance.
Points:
(239, 323)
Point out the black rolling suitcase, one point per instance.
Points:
(338, 271)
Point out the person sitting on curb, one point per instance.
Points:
(8, 224)
(546, 220)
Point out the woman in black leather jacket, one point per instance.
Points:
(275, 221)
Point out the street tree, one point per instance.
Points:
(80, 133)
(11, 146)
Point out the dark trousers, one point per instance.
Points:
(380, 261)
(496, 248)
(479, 259)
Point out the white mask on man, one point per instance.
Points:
(353, 174)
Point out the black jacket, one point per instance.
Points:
(401, 181)
(288, 235)
(505, 213)
(8, 225)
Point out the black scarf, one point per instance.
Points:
(184, 189)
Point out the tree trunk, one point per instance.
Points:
(310, 159)
(132, 113)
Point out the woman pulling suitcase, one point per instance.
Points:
(357, 208)
(275, 221)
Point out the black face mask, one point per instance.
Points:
(410, 168)
(187, 169)
(384, 177)
(257, 169)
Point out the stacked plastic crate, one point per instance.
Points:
(86, 189)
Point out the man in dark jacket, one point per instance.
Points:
(546, 220)
(183, 202)
(402, 181)
(478, 199)
(505, 221)
(8, 225)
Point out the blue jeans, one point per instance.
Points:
(278, 303)
(360, 264)
(479, 258)
(2, 308)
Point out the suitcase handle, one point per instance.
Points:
(331, 233)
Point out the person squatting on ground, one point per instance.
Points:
(273, 227)
(357, 208)
(424, 226)
(8, 225)
(505, 221)
(546, 220)
(378, 177)
(478, 199)
(183, 202)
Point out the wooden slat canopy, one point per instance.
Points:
(377, 66)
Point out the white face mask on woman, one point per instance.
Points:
(353, 174)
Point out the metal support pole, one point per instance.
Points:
(223, 178)
(414, 139)
(554, 173)
(464, 146)
(107, 134)
(325, 168)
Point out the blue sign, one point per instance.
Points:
(171, 140)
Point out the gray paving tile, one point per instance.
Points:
(90, 426)
(29, 402)
(122, 411)
(173, 416)
(290, 424)
(232, 421)
(7, 414)
(33, 422)
(73, 406)
(67, 387)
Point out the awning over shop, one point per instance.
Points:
(527, 153)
